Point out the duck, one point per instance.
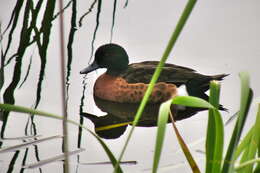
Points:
(126, 83)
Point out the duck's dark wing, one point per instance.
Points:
(142, 72)
(153, 64)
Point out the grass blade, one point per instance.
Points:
(185, 149)
(255, 142)
(248, 163)
(162, 121)
(219, 142)
(244, 143)
(257, 169)
(244, 156)
(215, 132)
(252, 147)
(245, 101)
(107, 127)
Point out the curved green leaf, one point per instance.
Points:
(191, 102)
(161, 123)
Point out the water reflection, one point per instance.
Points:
(120, 115)
(27, 29)
(30, 33)
(33, 24)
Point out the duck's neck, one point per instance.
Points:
(115, 73)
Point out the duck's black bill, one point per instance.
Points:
(90, 68)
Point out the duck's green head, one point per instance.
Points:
(110, 56)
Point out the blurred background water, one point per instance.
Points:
(219, 37)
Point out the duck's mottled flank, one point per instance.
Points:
(118, 90)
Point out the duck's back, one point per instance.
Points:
(143, 72)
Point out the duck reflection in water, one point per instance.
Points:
(121, 88)
(120, 115)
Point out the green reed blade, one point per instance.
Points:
(244, 143)
(244, 158)
(249, 163)
(215, 132)
(219, 142)
(252, 147)
(162, 121)
(193, 165)
(255, 142)
(257, 169)
(245, 101)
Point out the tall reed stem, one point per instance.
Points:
(63, 89)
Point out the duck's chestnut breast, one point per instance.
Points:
(118, 90)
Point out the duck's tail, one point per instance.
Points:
(218, 77)
(198, 86)
(204, 82)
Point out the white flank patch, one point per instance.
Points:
(182, 91)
